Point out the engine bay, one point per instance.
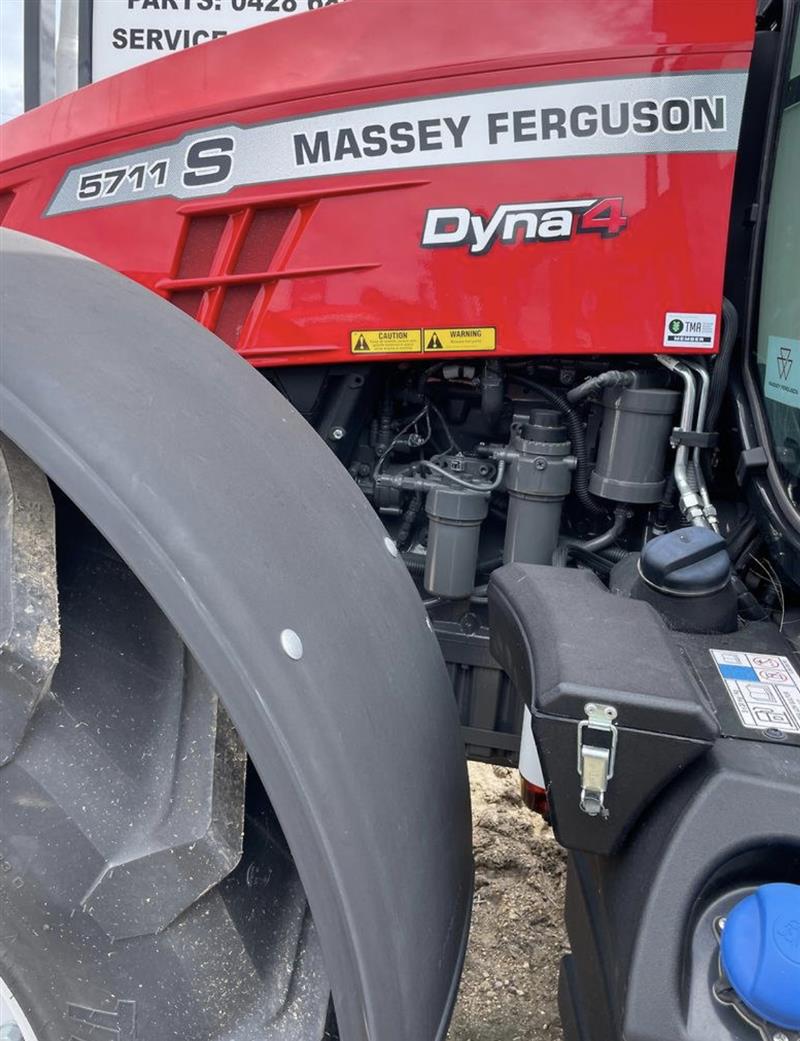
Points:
(574, 463)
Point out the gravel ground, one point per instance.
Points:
(508, 992)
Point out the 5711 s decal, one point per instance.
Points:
(206, 163)
(556, 221)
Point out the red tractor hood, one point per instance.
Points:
(365, 42)
(388, 180)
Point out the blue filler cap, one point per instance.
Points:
(760, 948)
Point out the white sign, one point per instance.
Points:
(126, 33)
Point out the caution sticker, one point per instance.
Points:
(386, 341)
(466, 339)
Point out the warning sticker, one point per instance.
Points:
(764, 688)
(683, 329)
(466, 339)
(386, 341)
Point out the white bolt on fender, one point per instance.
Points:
(292, 644)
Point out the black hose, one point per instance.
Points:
(485, 567)
(610, 378)
(747, 605)
(426, 374)
(406, 529)
(414, 564)
(615, 553)
(580, 484)
(667, 504)
(384, 437)
(593, 545)
(492, 393)
(740, 539)
(722, 366)
(598, 562)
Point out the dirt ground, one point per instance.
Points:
(508, 992)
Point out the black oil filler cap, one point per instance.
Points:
(687, 562)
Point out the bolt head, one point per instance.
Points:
(774, 734)
(780, 1036)
(540, 464)
(292, 644)
(391, 546)
(337, 433)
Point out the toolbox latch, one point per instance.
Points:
(597, 752)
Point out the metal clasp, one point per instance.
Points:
(596, 761)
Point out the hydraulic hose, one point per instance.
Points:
(719, 376)
(696, 469)
(580, 483)
(384, 428)
(410, 515)
(615, 553)
(610, 378)
(740, 539)
(667, 503)
(414, 564)
(690, 502)
(596, 544)
(472, 485)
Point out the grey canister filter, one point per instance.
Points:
(637, 423)
(455, 516)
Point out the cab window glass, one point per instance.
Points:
(778, 343)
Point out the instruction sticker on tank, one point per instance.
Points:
(469, 338)
(684, 329)
(386, 341)
(782, 373)
(764, 689)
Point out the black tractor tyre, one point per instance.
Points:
(146, 890)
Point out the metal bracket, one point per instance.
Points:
(694, 438)
(596, 761)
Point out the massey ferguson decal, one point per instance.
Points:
(676, 112)
(523, 222)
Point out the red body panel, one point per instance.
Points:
(289, 270)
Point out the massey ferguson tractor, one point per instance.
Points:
(375, 383)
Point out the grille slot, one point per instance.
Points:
(224, 262)
(235, 308)
(200, 245)
(267, 228)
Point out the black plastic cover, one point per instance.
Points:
(566, 641)
(644, 952)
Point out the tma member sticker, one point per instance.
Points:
(682, 329)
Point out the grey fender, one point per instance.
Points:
(241, 524)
